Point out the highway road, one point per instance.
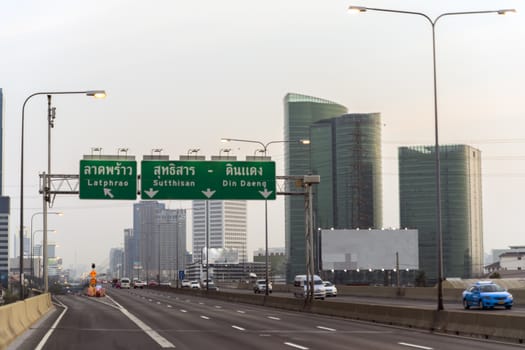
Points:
(155, 319)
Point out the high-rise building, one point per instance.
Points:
(226, 224)
(346, 153)
(4, 241)
(4, 207)
(116, 262)
(131, 253)
(172, 226)
(300, 112)
(461, 207)
(160, 235)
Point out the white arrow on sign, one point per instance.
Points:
(208, 193)
(107, 193)
(151, 193)
(265, 193)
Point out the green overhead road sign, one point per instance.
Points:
(207, 180)
(108, 179)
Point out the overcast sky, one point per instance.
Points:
(184, 74)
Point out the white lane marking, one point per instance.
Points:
(238, 328)
(218, 306)
(182, 310)
(416, 346)
(150, 300)
(158, 302)
(201, 303)
(241, 312)
(52, 329)
(274, 318)
(296, 346)
(169, 306)
(163, 342)
(326, 328)
(205, 317)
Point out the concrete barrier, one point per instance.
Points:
(18, 317)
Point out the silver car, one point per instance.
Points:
(330, 289)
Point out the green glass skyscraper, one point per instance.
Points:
(300, 112)
(461, 199)
(345, 150)
(346, 153)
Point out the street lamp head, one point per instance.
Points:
(96, 93)
(505, 11)
(305, 142)
(225, 140)
(356, 9)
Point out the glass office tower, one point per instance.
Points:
(346, 153)
(300, 112)
(461, 207)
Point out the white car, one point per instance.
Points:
(260, 287)
(125, 283)
(186, 284)
(139, 284)
(300, 287)
(195, 285)
(330, 289)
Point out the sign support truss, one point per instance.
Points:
(58, 184)
(287, 185)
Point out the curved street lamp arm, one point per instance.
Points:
(95, 93)
(242, 140)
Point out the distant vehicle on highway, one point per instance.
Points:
(487, 294)
(210, 285)
(139, 284)
(125, 283)
(195, 285)
(260, 287)
(330, 289)
(300, 285)
(186, 284)
(153, 283)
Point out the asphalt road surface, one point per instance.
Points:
(150, 319)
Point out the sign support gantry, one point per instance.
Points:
(305, 182)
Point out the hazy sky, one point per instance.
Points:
(184, 74)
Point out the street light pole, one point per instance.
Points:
(439, 232)
(265, 149)
(32, 235)
(32, 247)
(94, 93)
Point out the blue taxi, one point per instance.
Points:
(486, 294)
